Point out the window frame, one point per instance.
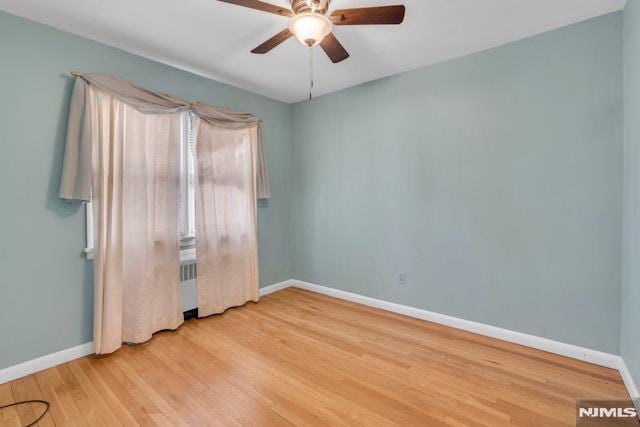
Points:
(187, 180)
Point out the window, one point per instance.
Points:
(186, 196)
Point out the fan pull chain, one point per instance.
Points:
(310, 72)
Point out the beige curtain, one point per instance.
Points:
(76, 175)
(135, 188)
(122, 152)
(226, 235)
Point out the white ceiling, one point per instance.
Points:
(213, 39)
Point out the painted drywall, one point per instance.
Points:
(493, 181)
(45, 282)
(630, 327)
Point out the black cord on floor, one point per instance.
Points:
(29, 401)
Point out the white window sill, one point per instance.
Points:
(186, 255)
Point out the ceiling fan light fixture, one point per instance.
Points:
(310, 27)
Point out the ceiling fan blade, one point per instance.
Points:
(333, 48)
(260, 5)
(273, 42)
(369, 15)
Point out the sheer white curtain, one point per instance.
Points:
(226, 224)
(135, 195)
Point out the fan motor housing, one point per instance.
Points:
(302, 6)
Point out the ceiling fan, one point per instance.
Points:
(311, 25)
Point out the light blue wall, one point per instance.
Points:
(45, 284)
(494, 181)
(630, 332)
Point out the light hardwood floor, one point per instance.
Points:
(302, 358)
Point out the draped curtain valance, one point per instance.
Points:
(77, 171)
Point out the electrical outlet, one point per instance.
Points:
(402, 278)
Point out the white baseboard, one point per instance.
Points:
(628, 381)
(45, 362)
(581, 353)
(275, 287)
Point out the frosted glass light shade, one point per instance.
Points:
(310, 28)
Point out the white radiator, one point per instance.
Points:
(188, 277)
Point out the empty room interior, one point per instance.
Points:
(320, 212)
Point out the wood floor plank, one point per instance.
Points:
(196, 363)
(301, 358)
(168, 383)
(156, 403)
(90, 393)
(63, 409)
(164, 397)
(331, 368)
(9, 416)
(259, 384)
(327, 376)
(143, 408)
(284, 388)
(27, 389)
(129, 403)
